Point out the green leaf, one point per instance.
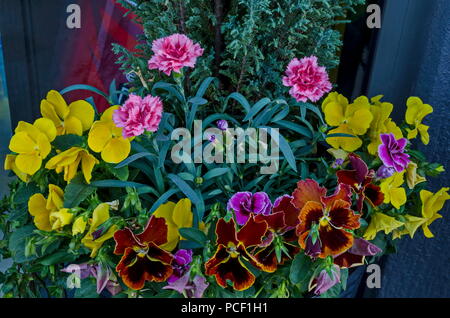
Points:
(300, 266)
(295, 127)
(170, 88)
(256, 108)
(215, 173)
(194, 235)
(57, 258)
(24, 193)
(76, 192)
(86, 88)
(66, 142)
(116, 184)
(162, 199)
(135, 157)
(284, 147)
(185, 188)
(239, 98)
(17, 243)
(204, 86)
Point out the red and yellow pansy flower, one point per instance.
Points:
(143, 259)
(328, 218)
(228, 261)
(281, 224)
(360, 180)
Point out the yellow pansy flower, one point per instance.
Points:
(73, 119)
(69, 160)
(32, 144)
(99, 216)
(415, 112)
(106, 138)
(412, 177)
(432, 203)
(381, 222)
(352, 119)
(392, 190)
(79, 225)
(177, 216)
(10, 164)
(381, 123)
(49, 213)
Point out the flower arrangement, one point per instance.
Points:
(104, 205)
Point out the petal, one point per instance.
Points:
(48, 111)
(334, 241)
(268, 259)
(341, 216)
(275, 221)
(55, 199)
(182, 213)
(348, 260)
(47, 127)
(290, 212)
(88, 162)
(124, 239)
(28, 163)
(166, 211)
(58, 102)
(226, 232)
(155, 253)
(311, 213)
(307, 190)
(100, 215)
(79, 226)
(398, 197)
(44, 145)
(373, 194)
(107, 115)
(37, 208)
(343, 192)
(73, 126)
(349, 144)
(235, 271)
(84, 112)
(252, 232)
(155, 231)
(99, 136)
(116, 150)
(22, 143)
(220, 256)
(60, 218)
(334, 113)
(424, 136)
(360, 121)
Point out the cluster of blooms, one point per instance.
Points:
(310, 220)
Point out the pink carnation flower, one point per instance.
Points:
(138, 115)
(174, 52)
(307, 79)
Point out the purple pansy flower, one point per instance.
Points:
(181, 264)
(313, 249)
(222, 124)
(324, 281)
(391, 152)
(244, 203)
(385, 172)
(103, 274)
(364, 248)
(191, 289)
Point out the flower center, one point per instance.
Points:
(141, 251)
(232, 250)
(324, 221)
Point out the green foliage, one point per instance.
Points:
(248, 43)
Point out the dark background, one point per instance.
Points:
(408, 56)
